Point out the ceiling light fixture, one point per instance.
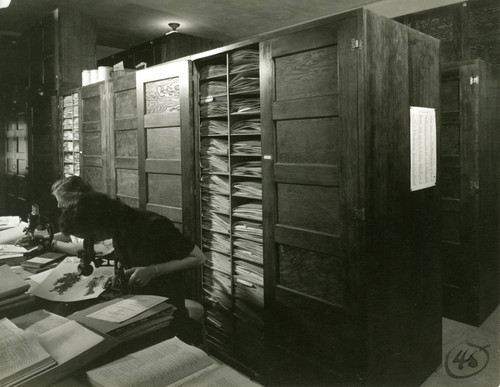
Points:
(4, 3)
(174, 27)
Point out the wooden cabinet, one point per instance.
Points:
(351, 264)
(160, 50)
(467, 30)
(109, 154)
(470, 196)
(69, 118)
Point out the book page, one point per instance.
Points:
(157, 366)
(68, 341)
(20, 351)
(222, 376)
(39, 321)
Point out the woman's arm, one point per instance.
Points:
(141, 276)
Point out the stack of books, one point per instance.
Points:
(13, 293)
(42, 262)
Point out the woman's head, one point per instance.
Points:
(68, 189)
(92, 215)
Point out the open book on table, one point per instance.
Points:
(40, 347)
(169, 363)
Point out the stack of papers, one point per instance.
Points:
(212, 88)
(248, 168)
(245, 82)
(9, 222)
(217, 280)
(215, 202)
(251, 126)
(248, 229)
(245, 105)
(215, 183)
(216, 241)
(214, 164)
(213, 127)
(247, 272)
(213, 146)
(247, 148)
(243, 60)
(249, 189)
(211, 71)
(218, 261)
(248, 250)
(215, 106)
(214, 221)
(251, 210)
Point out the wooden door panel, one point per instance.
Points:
(166, 143)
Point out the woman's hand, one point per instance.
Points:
(140, 276)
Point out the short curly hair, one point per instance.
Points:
(90, 213)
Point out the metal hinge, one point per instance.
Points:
(356, 44)
(473, 80)
(359, 214)
(474, 186)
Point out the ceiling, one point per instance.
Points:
(126, 23)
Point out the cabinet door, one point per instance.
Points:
(310, 171)
(166, 143)
(94, 138)
(123, 140)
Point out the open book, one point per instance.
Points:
(33, 345)
(169, 363)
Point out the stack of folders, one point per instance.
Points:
(249, 189)
(215, 164)
(218, 261)
(216, 241)
(217, 280)
(247, 81)
(248, 229)
(105, 317)
(245, 105)
(215, 184)
(244, 60)
(42, 262)
(14, 298)
(214, 106)
(212, 89)
(211, 71)
(215, 222)
(214, 146)
(247, 168)
(247, 148)
(248, 250)
(213, 127)
(251, 126)
(12, 255)
(215, 202)
(39, 348)
(251, 210)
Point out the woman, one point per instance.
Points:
(65, 191)
(148, 245)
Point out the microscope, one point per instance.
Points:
(39, 233)
(88, 257)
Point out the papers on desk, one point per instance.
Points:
(9, 222)
(64, 284)
(127, 308)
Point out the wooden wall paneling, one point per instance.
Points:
(123, 140)
(483, 27)
(94, 135)
(166, 143)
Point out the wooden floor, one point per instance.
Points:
(471, 355)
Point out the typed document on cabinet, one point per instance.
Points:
(423, 151)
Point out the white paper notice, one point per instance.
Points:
(128, 308)
(423, 162)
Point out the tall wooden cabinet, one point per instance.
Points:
(351, 268)
(470, 195)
